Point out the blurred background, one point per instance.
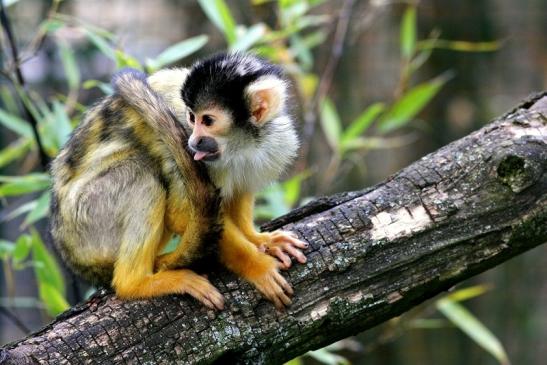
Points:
(378, 84)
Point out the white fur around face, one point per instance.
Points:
(250, 166)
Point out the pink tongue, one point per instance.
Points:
(200, 155)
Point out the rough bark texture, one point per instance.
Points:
(374, 254)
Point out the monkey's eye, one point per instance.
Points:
(191, 117)
(208, 120)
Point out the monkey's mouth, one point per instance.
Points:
(206, 156)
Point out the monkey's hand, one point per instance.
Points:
(283, 245)
(275, 288)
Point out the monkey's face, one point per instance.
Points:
(210, 129)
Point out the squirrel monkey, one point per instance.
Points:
(122, 185)
(234, 110)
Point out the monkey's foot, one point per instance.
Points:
(275, 288)
(283, 245)
(201, 289)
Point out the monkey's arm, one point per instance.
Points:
(242, 257)
(280, 244)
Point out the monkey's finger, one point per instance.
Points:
(298, 243)
(296, 253)
(285, 299)
(217, 299)
(282, 256)
(280, 280)
(277, 303)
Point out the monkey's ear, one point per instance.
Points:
(266, 98)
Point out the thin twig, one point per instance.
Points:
(310, 117)
(6, 25)
(15, 320)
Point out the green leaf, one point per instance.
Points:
(22, 209)
(46, 269)
(40, 211)
(53, 299)
(467, 293)
(105, 87)
(14, 151)
(101, 43)
(295, 361)
(125, 60)
(22, 248)
(408, 32)
(251, 36)
(272, 203)
(363, 121)
(6, 249)
(33, 176)
(471, 326)
(23, 187)
(460, 46)
(176, 52)
(219, 14)
(329, 358)
(330, 122)
(419, 60)
(61, 122)
(15, 124)
(22, 184)
(70, 66)
(291, 187)
(52, 25)
(411, 103)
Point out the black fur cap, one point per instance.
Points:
(222, 79)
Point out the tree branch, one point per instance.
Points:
(373, 255)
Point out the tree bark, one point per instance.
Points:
(373, 255)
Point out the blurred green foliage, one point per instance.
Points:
(291, 44)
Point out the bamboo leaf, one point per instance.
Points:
(363, 121)
(15, 124)
(408, 32)
(40, 211)
(411, 103)
(125, 60)
(471, 326)
(101, 43)
(18, 185)
(22, 209)
(219, 14)
(69, 65)
(330, 122)
(53, 299)
(14, 151)
(176, 52)
(61, 123)
(461, 295)
(6, 249)
(46, 269)
(460, 46)
(106, 88)
(251, 36)
(22, 248)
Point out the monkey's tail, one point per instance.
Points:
(132, 86)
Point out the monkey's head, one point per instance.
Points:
(230, 99)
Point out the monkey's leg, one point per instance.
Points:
(133, 271)
(280, 244)
(243, 258)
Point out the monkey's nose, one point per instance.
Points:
(204, 144)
